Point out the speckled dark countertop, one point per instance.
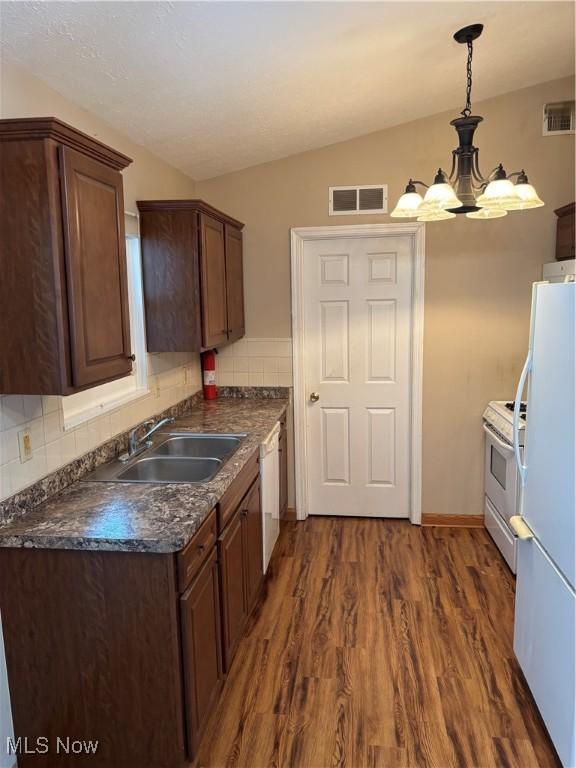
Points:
(146, 517)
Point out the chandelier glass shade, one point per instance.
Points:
(465, 189)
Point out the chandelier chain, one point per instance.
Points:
(467, 111)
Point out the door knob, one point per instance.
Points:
(314, 397)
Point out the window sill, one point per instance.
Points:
(76, 419)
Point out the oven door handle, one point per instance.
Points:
(497, 440)
(516, 420)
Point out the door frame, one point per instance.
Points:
(299, 236)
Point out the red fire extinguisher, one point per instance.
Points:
(209, 374)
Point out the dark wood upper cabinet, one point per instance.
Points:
(95, 254)
(64, 323)
(193, 275)
(171, 281)
(234, 282)
(213, 282)
(565, 232)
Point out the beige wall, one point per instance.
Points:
(478, 274)
(23, 95)
(171, 376)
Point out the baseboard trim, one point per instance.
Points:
(453, 521)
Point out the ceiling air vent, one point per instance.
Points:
(559, 118)
(370, 198)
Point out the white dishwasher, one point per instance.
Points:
(270, 491)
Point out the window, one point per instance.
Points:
(93, 402)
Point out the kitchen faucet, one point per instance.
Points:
(137, 445)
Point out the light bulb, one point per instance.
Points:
(407, 206)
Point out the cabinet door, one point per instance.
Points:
(283, 459)
(213, 282)
(231, 556)
(234, 283)
(201, 649)
(171, 280)
(95, 252)
(251, 513)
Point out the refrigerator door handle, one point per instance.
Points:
(516, 420)
(520, 528)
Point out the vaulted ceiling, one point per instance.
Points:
(213, 87)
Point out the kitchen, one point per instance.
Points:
(126, 240)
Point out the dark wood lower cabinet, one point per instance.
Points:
(93, 653)
(251, 514)
(241, 569)
(202, 649)
(232, 581)
(130, 649)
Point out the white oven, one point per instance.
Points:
(500, 474)
(501, 478)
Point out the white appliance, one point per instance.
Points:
(270, 492)
(544, 628)
(501, 476)
(560, 271)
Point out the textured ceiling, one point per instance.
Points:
(216, 86)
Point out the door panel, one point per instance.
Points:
(381, 444)
(213, 282)
(357, 329)
(381, 341)
(96, 269)
(334, 339)
(234, 283)
(202, 649)
(336, 445)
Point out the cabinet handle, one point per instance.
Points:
(201, 547)
(244, 513)
(131, 357)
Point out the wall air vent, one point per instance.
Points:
(350, 201)
(559, 118)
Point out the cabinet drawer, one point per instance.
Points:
(195, 552)
(230, 502)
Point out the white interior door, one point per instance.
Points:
(357, 318)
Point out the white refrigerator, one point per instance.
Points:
(544, 628)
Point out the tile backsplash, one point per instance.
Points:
(171, 378)
(255, 362)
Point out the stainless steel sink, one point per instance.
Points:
(156, 469)
(198, 446)
(175, 457)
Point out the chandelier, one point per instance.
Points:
(465, 189)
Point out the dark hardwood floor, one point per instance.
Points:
(379, 643)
